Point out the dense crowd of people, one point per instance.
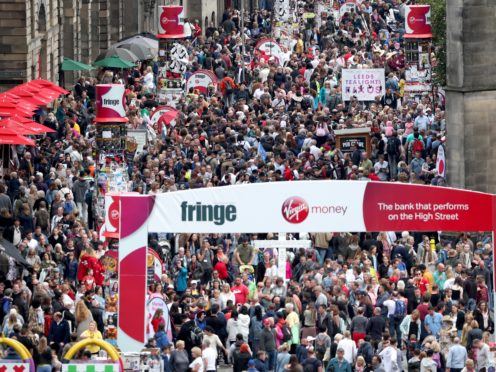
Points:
(353, 302)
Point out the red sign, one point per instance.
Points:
(171, 22)
(110, 103)
(418, 21)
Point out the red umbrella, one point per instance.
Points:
(16, 101)
(36, 127)
(49, 85)
(41, 92)
(168, 117)
(25, 95)
(7, 139)
(30, 127)
(12, 108)
(9, 131)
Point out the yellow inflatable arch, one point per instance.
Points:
(111, 351)
(20, 349)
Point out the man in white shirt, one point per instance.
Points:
(209, 356)
(349, 347)
(483, 355)
(390, 303)
(389, 356)
(16, 232)
(381, 168)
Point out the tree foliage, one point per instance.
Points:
(438, 21)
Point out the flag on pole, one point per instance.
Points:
(261, 151)
(441, 162)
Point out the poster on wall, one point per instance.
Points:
(364, 84)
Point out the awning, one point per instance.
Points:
(71, 65)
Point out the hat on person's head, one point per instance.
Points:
(251, 363)
(266, 322)
(244, 348)
(447, 319)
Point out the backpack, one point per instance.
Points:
(399, 309)
(6, 306)
(417, 145)
(391, 147)
(286, 333)
(365, 350)
(196, 335)
(68, 207)
(306, 103)
(310, 365)
(320, 345)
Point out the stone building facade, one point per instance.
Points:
(35, 35)
(471, 94)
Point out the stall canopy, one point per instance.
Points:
(71, 65)
(121, 53)
(114, 62)
(141, 51)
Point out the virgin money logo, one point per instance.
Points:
(114, 214)
(295, 210)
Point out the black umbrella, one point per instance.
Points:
(12, 251)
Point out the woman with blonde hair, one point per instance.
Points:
(179, 359)
(83, 318)
(149, 79)
(92, 333)
(360, 364)
(467, 327)
(12, 321)
(225, 296)
(44, 356)
(197, 363)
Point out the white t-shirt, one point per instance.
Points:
(197, 362)
(209, 355)
(391, 306)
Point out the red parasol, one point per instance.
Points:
(12, 109)
(42, 93)
(27, 96)
(167, 117)
(36, 127)
(29, 127)
(9, 131)
(49, 85)
(8, 139)
(16, 101)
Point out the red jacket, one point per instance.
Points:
(221, 268)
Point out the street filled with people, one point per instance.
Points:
(379, 301)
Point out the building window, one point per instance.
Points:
(42, 21)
